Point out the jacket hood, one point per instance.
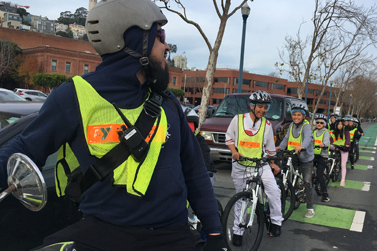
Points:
(123, 67)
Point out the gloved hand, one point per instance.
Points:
(215, 243)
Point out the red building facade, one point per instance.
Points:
(72, 57)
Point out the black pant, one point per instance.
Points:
(92, 234)
(321, 166)
(351, 156)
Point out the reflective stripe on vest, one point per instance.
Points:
(318, 141)
(250, 146)
(101, 122)
(292, 141)
(339, 141)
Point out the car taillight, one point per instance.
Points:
(20, 93)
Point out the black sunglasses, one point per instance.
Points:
(320, 123)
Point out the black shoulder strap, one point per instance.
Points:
(116, 156)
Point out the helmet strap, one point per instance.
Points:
(255, 116)
(143, 58)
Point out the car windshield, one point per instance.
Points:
(9, 96)
(238, 104)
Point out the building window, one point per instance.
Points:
(244, 81)
(261, 84)
(86, 69)
(67, 66)
(222, 80)
(174, 80)
(292, 90)
(53, 65)
(277, 86)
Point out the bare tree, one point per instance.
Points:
(224, 12)
(341, 32)
(8, 52)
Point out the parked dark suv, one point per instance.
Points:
(214, 128)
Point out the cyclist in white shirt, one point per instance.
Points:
(255, 132)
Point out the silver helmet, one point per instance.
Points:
(110, 19)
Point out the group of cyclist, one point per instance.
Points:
(250, 135)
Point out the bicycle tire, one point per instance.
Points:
(297, 200)
(252, 236)
(289, 201)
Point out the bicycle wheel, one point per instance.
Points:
(336, 172)
(251, 236)
(289, 201)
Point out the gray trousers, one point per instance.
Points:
(306, 169)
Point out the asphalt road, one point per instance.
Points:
(347, 222)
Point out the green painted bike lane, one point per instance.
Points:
(369, 138)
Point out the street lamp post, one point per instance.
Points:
(245, 10)
(328, 109)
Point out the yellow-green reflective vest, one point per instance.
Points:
(292, 141)
(250, 146)
(339, 141)
(101, 122)
(352, 133)
(318, 141)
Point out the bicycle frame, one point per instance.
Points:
(257, 195)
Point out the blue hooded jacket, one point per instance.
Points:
(180, 173)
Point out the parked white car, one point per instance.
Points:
(31, 95)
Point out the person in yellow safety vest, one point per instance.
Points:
(299, 137)
(330, 125)
(256, 132)
(131, 207)
(321, 154)
(341, 137)
(352, 129)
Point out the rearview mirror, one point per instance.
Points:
(25, 182)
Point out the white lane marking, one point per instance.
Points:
(366, 186)
(373, 151)
(372, 158)
(375, 143)
(370, 167)
(358, 221)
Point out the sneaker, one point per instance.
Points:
(310, 213)
(352, 167)
(275, 230)
(237, 240)
(342, 183)
(325, 197)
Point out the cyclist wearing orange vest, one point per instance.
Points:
(300, 137)
(251, 135)
(321, 139)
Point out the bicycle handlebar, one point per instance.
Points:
(257, 160)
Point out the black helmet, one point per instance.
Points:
(334, 115)
(337, 120)
(320, 116)
(299, 105)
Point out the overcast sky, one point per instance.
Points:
(270, 21)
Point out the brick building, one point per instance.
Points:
(75, 57)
